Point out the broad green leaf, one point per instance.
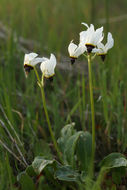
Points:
(84, 150)
(40, 163)
(114, 160)
(70, 148)
(66, 173)
(66, 132)
(26, 181)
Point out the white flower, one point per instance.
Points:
(103, 49)
(91, 37)
(30, 60)
(75, 51)
(48, 65)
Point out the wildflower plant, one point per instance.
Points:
(75, 149)
(91, 44)
(47, 68)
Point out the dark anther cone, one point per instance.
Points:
(103, 57)
(27, 69)
(51, 79)
(73, 60)
(89, 48)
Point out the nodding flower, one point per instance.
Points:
(91, 37)
(103, 49)
(30, 60)
(48, 66)
(75, 51)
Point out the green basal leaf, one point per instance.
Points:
(84, 150)
(71, 143)
(66, 132)
(40, 163)
(26, 181)
(66, 173)
(70, 148)
(114, 160)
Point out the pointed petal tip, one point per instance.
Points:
(83, 23)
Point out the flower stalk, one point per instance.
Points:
(93, 113)
(41, 85)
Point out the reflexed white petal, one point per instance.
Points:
(31, 59)
(53, 60)
(110, 41)
(36, 60)
(47, 67)
(80, 50)
(90, 35)
(98, 36)
(92, 27)
(45, 59)
(71, 48)
(101, 46)
(30, 56)
(83, 36)
(85, 24)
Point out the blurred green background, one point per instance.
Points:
(48, 26)
(54, 23)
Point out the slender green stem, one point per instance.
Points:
(46, 114)
(93, 113)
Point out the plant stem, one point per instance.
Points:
(47, 116)
(93, 114)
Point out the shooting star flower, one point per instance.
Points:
(75, 51)
(103, 49)
(91, 37)
(48, 65)
(30, 60)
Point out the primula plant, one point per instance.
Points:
(73, 166)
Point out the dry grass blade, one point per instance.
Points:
(12, 128)
(21, 117)
(13, 140)
(10, 151)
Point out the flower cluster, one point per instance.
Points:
(47, 65)
(90, 42)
